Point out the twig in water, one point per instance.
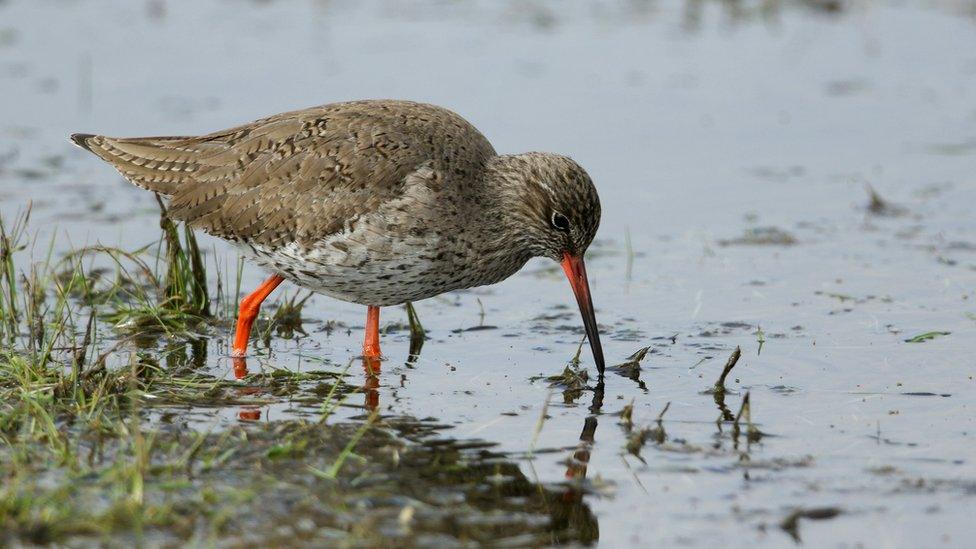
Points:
(658, 434)
(752, 433)
(664, 411)
(417, 333)
(791, 524)
(481, 312)
(720, 384)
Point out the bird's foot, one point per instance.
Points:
(240, 366)
(371, 351)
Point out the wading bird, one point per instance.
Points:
(372, 202)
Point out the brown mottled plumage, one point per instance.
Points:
(373, 202)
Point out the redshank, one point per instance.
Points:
(372, 202)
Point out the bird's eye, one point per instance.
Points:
(559, 222)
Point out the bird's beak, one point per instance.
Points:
(576, 273)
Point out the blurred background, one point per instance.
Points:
(793, 177)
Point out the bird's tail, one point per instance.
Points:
(157, 164)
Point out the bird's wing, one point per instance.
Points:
(297, 176)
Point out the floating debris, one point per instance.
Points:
(791, 524)
(572, 381)
(719, 387)
(921, 338)
(631, 369)
(881, 207)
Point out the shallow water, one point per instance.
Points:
(733, 142)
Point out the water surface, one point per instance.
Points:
(733, 142)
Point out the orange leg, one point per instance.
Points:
(250, 306)
(371, 344)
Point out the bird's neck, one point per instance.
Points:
(507, 204)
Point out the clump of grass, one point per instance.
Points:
(171, 298)
(287, 318)
(11, 241)
(186, 275)
(55, 365)
(573, 380)
(182, 300)
(631, 368)
(638, 438)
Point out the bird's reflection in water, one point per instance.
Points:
(240, 368)
(581, 456)
(371, 373)
(487, 481)
(249, 414)
(246, 413)
(577, 468)
(177, 358)
(371, 384)
(372, 366)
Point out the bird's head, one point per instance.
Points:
(552, 209)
